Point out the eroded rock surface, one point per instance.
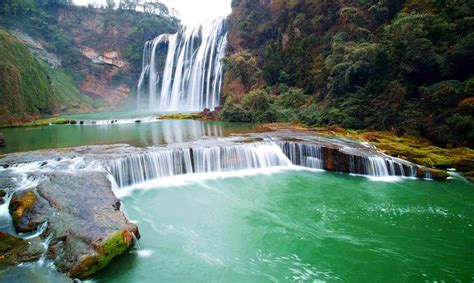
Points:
(86, 228)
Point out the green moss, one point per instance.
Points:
(42, 122)
(25, 88)
(10, 247)
(179, 116)
(114, 246)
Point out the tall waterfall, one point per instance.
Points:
(191, 79)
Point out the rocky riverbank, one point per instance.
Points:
(74, 215)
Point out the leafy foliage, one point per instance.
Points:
(386, 65)
(25, 88)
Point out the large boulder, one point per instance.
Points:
(86, 229)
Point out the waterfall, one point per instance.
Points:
(377, 165)
(152, 165)
(230, 157)
(192, 75)
(306, 155)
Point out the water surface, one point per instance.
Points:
(136, 134)
(300, 226)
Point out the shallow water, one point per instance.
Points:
(136, 134)
(300, 226)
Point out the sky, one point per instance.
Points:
(191, 12)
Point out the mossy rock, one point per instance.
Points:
(3, 193)
(469, 176)
(28, 211)
(178, 116)
(116, 245)
(464, 163)
(14, 250)
(439, 175)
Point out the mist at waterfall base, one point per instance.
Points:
(190, 79)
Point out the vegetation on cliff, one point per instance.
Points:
(97, 51)
(406, 66)
(25, 87)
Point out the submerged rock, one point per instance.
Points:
(435, 174)
(86, 229)
(14, 250)
(2, 139)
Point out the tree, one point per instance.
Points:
(110, 4)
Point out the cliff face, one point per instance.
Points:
(25, 87)
(398, 65)
(94, 55)
(108, 47)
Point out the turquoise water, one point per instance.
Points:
(108, 115)
(293, 226)
(301, 226)
(136, 134)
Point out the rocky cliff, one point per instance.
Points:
(108, 47)
(93, 55)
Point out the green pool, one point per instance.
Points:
(301, 226)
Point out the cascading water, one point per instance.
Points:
(307, 155)
(170, 162)
(311, 156)
(193, 72)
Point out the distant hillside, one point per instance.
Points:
(25, 87)
(406, 66)
(96, 52)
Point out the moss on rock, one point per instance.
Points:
(10, 248)
(117, 244)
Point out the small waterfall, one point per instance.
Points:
(312, 156)
(377, 167)
(306, 155)
(192, 76)
(152, 165)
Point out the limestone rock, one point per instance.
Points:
(87, 229)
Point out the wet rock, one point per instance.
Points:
(439, 175)
(28, 211)
(3, 193)
(435, 174)
(465, 164)
(2, 139)
(87, 230)
(14, 250)
(138, 121)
